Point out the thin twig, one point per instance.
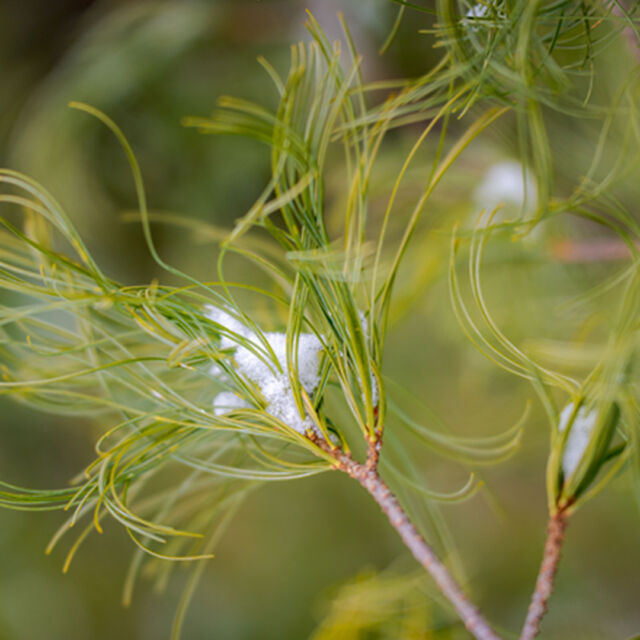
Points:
(367, 476)
(544, 585)
(599, 250)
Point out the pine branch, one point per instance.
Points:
(367, 475)
(597, 250)
(544, 585)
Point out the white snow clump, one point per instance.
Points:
(481, 10)
(477, 11)
(364, 323)
(507, 184)
(227, 401)
(579, 436)
(273, 381)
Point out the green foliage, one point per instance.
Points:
(386, 605)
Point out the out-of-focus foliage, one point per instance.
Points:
(384, 606)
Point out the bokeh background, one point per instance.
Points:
(293, 546)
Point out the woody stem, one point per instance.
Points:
(544, 585)
(367, 476)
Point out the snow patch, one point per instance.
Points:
(507, 184)
(272, 377)
(477, 11)
(579, 435)
(226, 402)
(364, 323)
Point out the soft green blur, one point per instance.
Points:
(293, 546)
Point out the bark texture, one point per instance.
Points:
(544, 585)
(367, 476)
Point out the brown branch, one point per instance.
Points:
(622, 9)
(544, 585)
(367, 475)
(598, 250)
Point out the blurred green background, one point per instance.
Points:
(284, 557)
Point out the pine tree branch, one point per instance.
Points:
(597, 250)
(367, 475)
(544, 585)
